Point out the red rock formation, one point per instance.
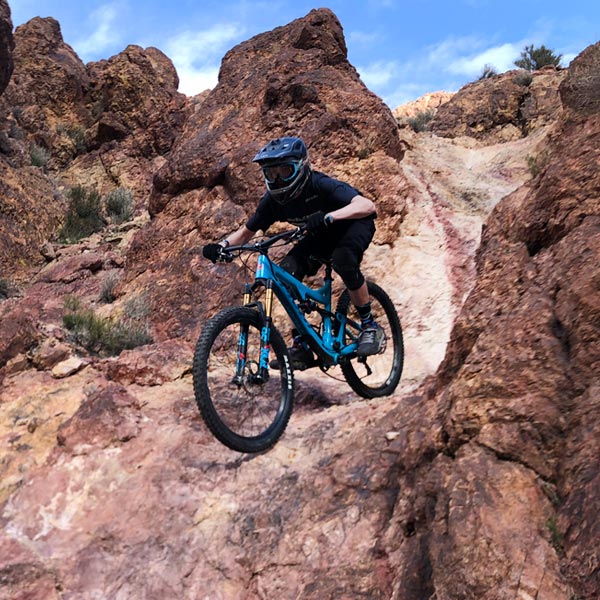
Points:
(48, 85)
(520, 373)
(502, 107)
(102, 126)
(481, 483)
(428, 102)
(7, 45)
(293, 80)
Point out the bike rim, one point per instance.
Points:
(378, 371)
(246, 408)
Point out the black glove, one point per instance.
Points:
(316, 222)
(212, 252)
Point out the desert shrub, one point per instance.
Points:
(367, 146)
(364, 152)
(76, 134)
(420, 121)
(535, 58)
(137, 308)
(107, 289)
(84, 214)
(101, 335)
(488, 71)
(556, 536)
(15, 132)
(5, 289)
(536, 163)
(523, 78)
(39, 156)
(119, 205)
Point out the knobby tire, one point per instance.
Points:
(386, 367)
(250, 417)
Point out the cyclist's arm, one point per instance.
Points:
(239, 237)
(359, 207)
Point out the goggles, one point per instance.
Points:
(284, 171)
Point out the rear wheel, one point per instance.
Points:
(244, 412)
(377, 375)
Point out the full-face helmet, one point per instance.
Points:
(285, 166)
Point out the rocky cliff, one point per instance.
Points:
(477, 479)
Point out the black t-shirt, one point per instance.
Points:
(320, 193)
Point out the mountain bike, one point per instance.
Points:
(245, 402)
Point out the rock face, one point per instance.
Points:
(295, 80)
(477, 479)
(501, 108)
(520, 373)
(6, 45)
(101, 125)
(427, 103)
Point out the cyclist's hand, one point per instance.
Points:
(212, 252)
(316, 222)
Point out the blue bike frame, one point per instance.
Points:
(330, 344)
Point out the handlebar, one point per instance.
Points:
(228, 254)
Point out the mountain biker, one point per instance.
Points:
(340, 222)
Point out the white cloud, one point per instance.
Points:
(362, 38)
(500, 57)
(567, 58)
(378, 74)
(197, 55)
(445, 66)
(104, 36)
(406, 92)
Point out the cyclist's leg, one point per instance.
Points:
(298, 260)
(348, 254)
(346, 258)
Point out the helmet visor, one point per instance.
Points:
(283, 172)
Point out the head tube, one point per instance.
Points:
(263, 268)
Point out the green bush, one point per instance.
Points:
(119, 205)
(5, 289)
(556, 536)
(15, 132)
(523, 78)
(107, 289)
(100, 335)
(84, 215)
(533, 59)
(76, 134)
(420, 122)
(137, 308)
(488, 71)
(536, 163)
(39, 156)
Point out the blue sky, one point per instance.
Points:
(401, 48)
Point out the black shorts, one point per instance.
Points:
(344, 242)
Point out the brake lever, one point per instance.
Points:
(225, 256)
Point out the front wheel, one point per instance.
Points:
(243, 410)
(377, 375)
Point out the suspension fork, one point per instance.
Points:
(262, 374)
(242, 345)
(265, 334)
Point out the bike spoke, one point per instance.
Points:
(244, 410)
